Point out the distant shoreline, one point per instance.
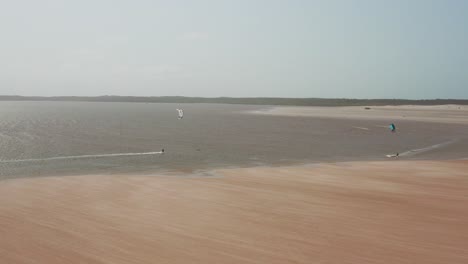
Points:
(239, 100)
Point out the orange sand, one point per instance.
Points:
(377, 212)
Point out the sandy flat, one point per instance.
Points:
(450, 114)
(377, 212)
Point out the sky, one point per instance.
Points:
(413, 49)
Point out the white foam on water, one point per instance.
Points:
(84, 157)
(362, 128)
(425, 149)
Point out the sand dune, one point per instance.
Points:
(378, 212)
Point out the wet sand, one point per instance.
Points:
(361, 212)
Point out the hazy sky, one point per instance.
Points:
(358, 49)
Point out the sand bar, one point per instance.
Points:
(450, 114)
(374, 212)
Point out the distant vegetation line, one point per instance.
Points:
(238, 100)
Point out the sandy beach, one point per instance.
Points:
(350, 204)
(234, 132)
(361, 212)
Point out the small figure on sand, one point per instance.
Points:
(162, 151)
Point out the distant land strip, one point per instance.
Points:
(238, 100)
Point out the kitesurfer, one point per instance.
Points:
(181, 113)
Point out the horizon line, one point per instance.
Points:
(223, 97)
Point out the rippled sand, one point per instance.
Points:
(374, 212)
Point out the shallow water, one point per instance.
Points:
(62, 138)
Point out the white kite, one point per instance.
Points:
(181, 113)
